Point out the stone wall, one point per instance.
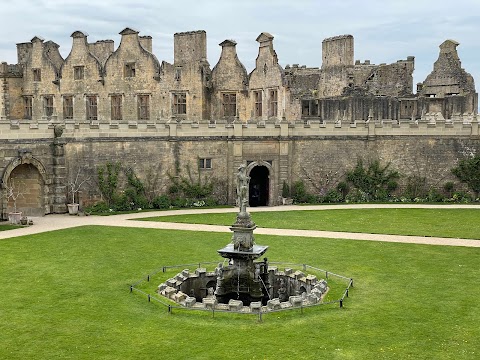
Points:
(317, 153)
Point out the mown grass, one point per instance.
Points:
(443, 222)
(7, 226)
(65, 294)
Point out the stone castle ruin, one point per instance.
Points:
(286, 123)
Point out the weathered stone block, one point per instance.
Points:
(169, 292)
(171, 282)
(201, 272)
(256, 306)
(235, 305)
(298, 274)
(186, 272)
(209, 302)
(273, 304)
(179, 297)
(190, 301)
(295, 300)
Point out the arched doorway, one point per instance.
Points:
(27, 184)
(259, 186)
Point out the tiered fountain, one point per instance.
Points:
(240, 283)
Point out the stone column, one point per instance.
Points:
(59, 174)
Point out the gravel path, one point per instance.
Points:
(63, 221)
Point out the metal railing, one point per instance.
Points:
(171, 306)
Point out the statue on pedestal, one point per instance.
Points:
(243, 181)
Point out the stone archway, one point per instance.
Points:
(28, 176)
(260, 188)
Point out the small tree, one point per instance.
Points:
(75, 184)
(285, 190)
(13, 192)
(468, 172)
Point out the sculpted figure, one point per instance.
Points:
(242, 187)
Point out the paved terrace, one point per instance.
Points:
(64, 221)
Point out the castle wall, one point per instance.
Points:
(319, 154)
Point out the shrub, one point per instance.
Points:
(342, 187)
(356, 196)
(285, 190)
(108, 180)
(468, 172)
(434, 195)
(449, 188)
(375, 181)
(99, 207)
(162, 202)
(299, 193)
(416, 187)
(333, 196)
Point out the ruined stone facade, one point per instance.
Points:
(287, 123)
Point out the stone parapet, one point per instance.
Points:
(23, 129)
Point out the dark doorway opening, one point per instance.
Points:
(259, 186)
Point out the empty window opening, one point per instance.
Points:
(92, 107)
(48, 105)
(143, 107)
(78, 72)
(180, 104)
(178, 74)
(116, 105)
(68, 107)
(130, 69)
(229, 105)
(257, 96)
(273, 103)
(37, 74)
(27, 103)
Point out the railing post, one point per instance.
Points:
(341, 303)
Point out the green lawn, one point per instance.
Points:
(7, 226)
(65, 295)
(444, 222)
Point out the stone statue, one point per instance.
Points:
(242, 188)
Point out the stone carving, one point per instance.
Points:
(243, 181)
(58, 130)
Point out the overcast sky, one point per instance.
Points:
(384, 30)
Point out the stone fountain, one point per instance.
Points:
(240, 283)
(243, 279)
